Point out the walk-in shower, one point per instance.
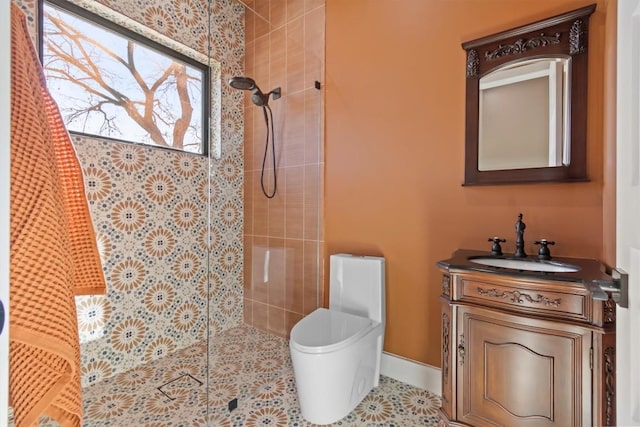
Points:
(195, 321)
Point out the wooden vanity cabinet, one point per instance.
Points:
(520, 351)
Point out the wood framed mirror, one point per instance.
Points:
(526, 103)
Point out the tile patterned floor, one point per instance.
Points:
(246, 364)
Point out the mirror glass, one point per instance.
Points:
(509, 139)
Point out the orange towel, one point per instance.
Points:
(54, 254)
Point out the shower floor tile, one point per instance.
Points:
(245, 364)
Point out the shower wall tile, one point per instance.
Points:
(278, 270)
(290, 226)
(294, 293)
(276, 322)
(262, 8)
(250, 4)
(249, 26)
(294, 181)
(321, 265)
(295, 8)
(260, 315)
(314, 32)
(249, 143)
(290, 320)
(261, 59)
(278, 10)
(311, 281)
(277, 60)
(248, 205)
(295, 55)
(276, 208)
(258, 253)
(294, 139)
(247, 311)
(312, 4)
(314, 44)
(279, 115)
(313, 121)
(249, 60)
(312, 185)
(260, 208)
(312, 200)
(259, 136)
(150, 212)
(262, 26)
(247, 266)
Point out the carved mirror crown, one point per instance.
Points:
(526, 102)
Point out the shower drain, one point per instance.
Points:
(184, 381)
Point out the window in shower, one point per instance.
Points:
(113, 83)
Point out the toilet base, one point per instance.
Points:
(331, 385)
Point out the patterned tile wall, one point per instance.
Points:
(284, 235)
(165, 247)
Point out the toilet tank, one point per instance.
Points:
(356, 285)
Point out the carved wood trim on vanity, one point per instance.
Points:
(609, 311)
(520, 297)
(446, 285)
(610, 384)
(445, 349)
(608, 367)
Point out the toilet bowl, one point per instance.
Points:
(336, 352)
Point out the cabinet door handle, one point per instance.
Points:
(461, 349)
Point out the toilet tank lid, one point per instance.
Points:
(328, 330)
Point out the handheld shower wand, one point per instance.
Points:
(262, 100)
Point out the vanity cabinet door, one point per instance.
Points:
(517, 371)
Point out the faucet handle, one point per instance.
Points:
(544, 252)
(496, 249)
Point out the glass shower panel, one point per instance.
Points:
(282, 236)
(227, 370)
(143, 343)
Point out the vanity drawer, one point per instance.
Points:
(526, 299)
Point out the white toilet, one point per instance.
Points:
(336, 352)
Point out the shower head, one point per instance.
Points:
(242, 83)
(257, 97)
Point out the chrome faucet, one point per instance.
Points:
(520, 226)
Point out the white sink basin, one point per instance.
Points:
(528, 264)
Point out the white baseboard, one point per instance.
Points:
(411, 372)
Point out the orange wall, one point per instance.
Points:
(395, 78)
